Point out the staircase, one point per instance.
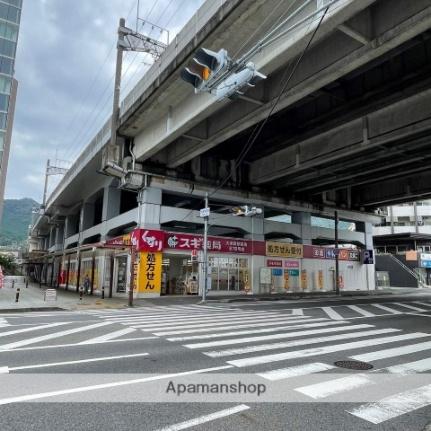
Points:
(400, 274)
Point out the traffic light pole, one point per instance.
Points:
(337, 269)
(205, 249)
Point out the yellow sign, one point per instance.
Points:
(149, 272)
(281, 249)
(304, 279)
(320, 282)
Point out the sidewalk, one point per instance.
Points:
(32, 298)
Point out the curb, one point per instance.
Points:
(27, 309)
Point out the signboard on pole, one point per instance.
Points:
(204, 212)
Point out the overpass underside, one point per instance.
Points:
(352, 130)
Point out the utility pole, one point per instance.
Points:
(337, 277)
(51, 170)
(45, 189)
(206, 218)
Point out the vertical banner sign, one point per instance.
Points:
(304, 279)
(320, 283)
(150, 272)
(286, 279)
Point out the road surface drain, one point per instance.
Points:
(353, 365)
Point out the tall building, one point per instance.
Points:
(10, 16)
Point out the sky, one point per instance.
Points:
(64, 66)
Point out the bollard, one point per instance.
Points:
(17, 294)
(26, 283)
(103, 292)
(13, 284)
(81, 292)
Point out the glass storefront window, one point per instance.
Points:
(228, 273)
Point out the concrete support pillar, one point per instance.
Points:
(256, 233)
(111, 202)
(45, 242)
(51, 240)
(367, 229)
(304, 220)
(87, 216)
(150, 201)
(59, 235)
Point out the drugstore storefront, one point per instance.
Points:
(168, 263)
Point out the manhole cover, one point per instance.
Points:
(353, 365)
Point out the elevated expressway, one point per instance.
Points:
(350, 132)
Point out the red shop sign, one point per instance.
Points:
(274, 263)
(148, 240)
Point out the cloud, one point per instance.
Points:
(65, 78)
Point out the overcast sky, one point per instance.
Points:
(65, 66)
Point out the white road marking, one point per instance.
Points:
(289, 344)
(385, 308)
(330, 387)
(392, 353)
(56, 346)
(332, 313)
(228, 322)
(411, 307)
(344, 384)
(109, 336)
(426, 304)
(206, 418)
(186, 317)
(256, 360)
(51, 336)
(228, 326)
(300, 370)
(361, 311)
(30, 397)
(78, 361)
(210, 321)
(297, 312)
(394, 406)
(33, 328)
(290, 334)
(259, 331)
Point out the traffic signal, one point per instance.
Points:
(206, 66)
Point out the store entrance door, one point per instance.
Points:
(121, 275)
(178, 271)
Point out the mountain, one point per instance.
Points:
(15, 221)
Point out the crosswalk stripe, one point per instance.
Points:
(227, 326)
(344, 384)
(51, 336)
(213, 322)
(290, 334)
(187, 318)
(33, 328)
(78, 361)
(206, 418)
(411, 307)
(256, 360)
(290, 344)
(388, 309)
(259, 331)
(332, 313)
(361, 311)
(300, 370)
(178, 313)
(394, 406)
(297, 312)
(110, 336)
(397, 351)
(426, 304)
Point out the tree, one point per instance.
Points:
(8, 264)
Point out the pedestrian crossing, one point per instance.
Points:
(280, 344)
(344, 311)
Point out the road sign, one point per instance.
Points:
(204, 212)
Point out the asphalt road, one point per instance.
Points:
(92, 369)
